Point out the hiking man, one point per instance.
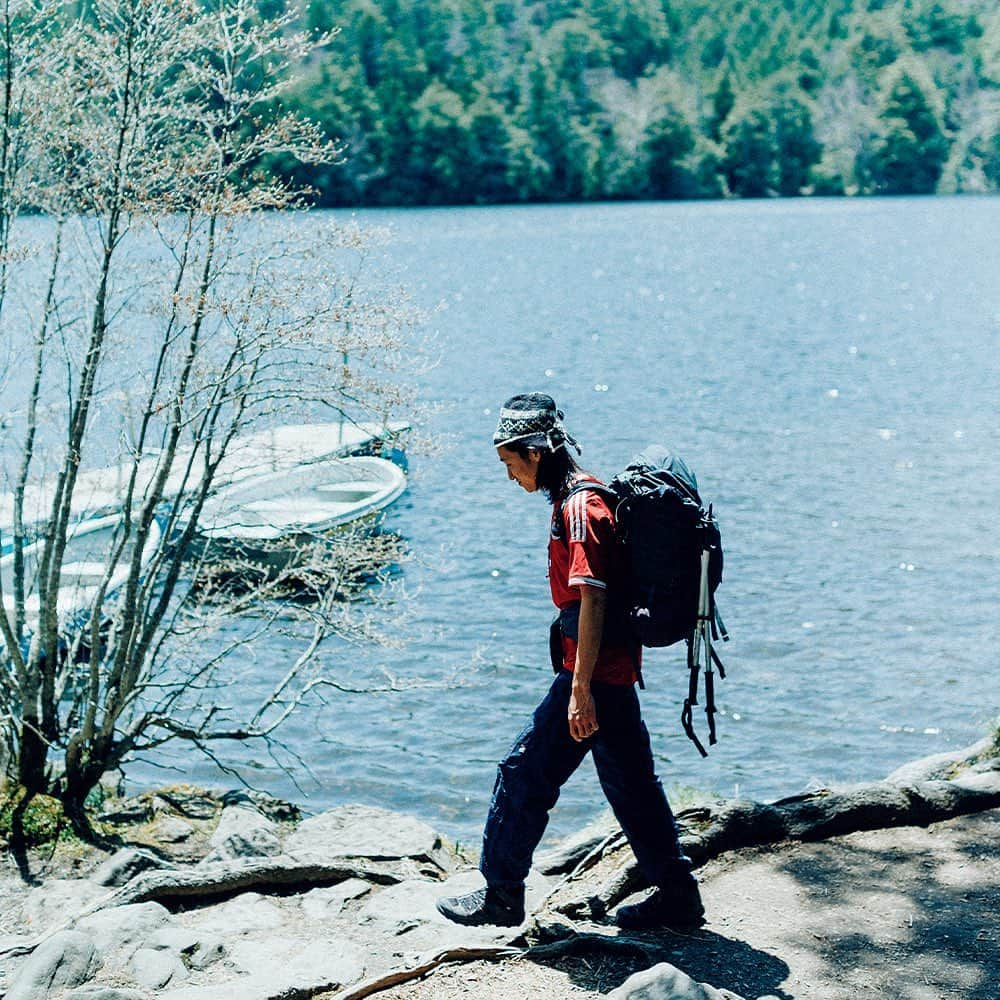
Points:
(591, 706)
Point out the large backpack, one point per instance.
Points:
(673, 558)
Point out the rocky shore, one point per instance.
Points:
(886, 889)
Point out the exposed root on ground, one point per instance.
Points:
(711, 831)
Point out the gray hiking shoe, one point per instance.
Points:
(501, 907)
(676, 907)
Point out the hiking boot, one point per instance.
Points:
(492, 905)
(676, 907)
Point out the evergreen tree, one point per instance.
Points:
(795, 147)
(668, 141)
(722, 104)
(911, 149)
(748, 161)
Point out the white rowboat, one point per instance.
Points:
(84, 568)
(309, 499)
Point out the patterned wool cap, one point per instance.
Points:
(532, 419)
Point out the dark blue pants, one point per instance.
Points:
(542, 759)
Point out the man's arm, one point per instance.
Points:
(582, 712)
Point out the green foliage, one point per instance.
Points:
(442, 101)
(33, 819)
(911, 149)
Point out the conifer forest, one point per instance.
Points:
(488, 101)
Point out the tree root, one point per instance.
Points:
(813, 816)
(587, 943)
(175, 887)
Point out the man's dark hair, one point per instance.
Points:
(556, 470)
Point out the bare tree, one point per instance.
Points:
(169, 296)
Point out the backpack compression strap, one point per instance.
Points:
(698, 644)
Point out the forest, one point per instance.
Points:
(491, 101)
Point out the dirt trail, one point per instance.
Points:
(904, 914)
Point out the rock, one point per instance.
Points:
(327, 902)
(196, 950)
(171, 829)
(125, 864)
(194, 803)
(273, 808)
(938, 765)
(572, 851)
(404, 918)
(156, 967)
(281, 966)
(369, 832)
(66, 959)
(248, 913)
(243, 833)
(57, 900)
(123, 927)
(125, 811)
(98, 992)
(296, 965)
(664, 982)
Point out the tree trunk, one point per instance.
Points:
(32, 755)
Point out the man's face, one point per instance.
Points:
(523, 471)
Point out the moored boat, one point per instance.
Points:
(84, 570)
(307, 500)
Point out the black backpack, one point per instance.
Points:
(673, 559)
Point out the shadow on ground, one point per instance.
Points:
(910, 913)
(707, 957)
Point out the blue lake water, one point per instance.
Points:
(829, 368)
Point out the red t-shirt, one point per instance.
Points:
(586, 555)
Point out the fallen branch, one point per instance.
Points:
(426, 965)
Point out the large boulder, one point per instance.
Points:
(281, 966)
(125, 864)
(66, 959)
(124, 928)
(327, 902)
(243, 832)
(56, 900)
(369, 832)
(249, 913)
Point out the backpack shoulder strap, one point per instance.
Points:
(587, 484)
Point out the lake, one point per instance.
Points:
(829, 368)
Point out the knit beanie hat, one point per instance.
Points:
(532, 419)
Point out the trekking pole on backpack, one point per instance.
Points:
(705, 627)
(700, 644)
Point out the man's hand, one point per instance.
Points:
(582, 713)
